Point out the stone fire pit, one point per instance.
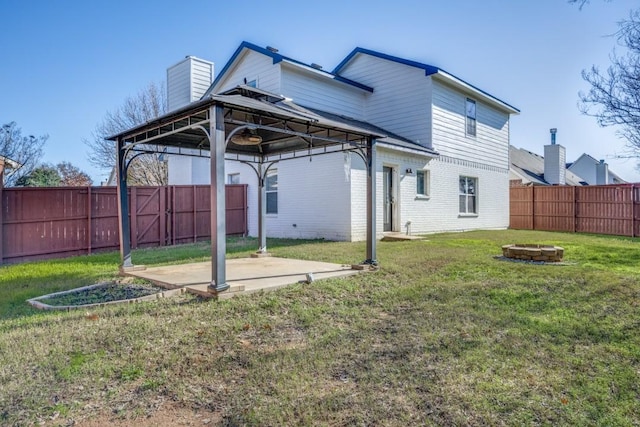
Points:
(528, 252)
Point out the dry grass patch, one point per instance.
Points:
(443, 334)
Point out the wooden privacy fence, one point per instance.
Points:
(602, 209)
(41, 223)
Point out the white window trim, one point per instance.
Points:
(248, 82)
(426, 184)
(469, 214)
(272, 172)
(230, 177)
(467, 118)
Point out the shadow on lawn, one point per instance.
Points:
(20, 282)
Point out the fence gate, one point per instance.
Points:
(41, 223)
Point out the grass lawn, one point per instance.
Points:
(442, 334)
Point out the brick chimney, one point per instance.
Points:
(555, 168)
(187, 81)
(602, 173)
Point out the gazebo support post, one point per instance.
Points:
(217, 144)
(262, 210)
(371, 201)
(123, 207)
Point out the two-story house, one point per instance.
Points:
(444, 165)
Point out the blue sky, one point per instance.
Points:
(66, 63)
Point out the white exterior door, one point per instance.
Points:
(387, 195)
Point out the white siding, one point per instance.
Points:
(187, 81)
(309, 90)
(201, 78)
(585, 168)
(400, 101)
(555, 159)
(491, 143)
(252, 65)
(178, 85)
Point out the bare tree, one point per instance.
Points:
(146, 105)
(582, 3)
(614, 96)
(25, 151)
(72, 176)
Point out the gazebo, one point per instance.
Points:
(255, 127)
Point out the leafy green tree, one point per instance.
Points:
(42, 176)
(64, 174)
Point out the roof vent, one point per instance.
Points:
(316, 66)
(272, 49)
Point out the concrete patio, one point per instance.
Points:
(244, 275)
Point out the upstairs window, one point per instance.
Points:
(422, 183)
(271, 188)
(468, 195)
(471, 117)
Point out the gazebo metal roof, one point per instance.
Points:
(287, 131)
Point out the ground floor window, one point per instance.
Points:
(233, 178)
(271, 188)
(468, 195)
(422, 183)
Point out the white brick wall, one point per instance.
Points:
(439, 212)
(312, 195)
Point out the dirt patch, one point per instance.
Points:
(166, 415)
(527, 261)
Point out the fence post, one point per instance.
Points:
(162, 215)
(533, 207)
(245, 208)
(635, 209)
(133, 209)
(89, 224)
(575, 208)
(173, 215)
(195, 214)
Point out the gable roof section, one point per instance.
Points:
(530, 166)
(277, 58)
(429, 70)
(613, 176)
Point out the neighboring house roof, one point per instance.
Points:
(529, 167)
(277, 58)
(613, 177)
(430, 70)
